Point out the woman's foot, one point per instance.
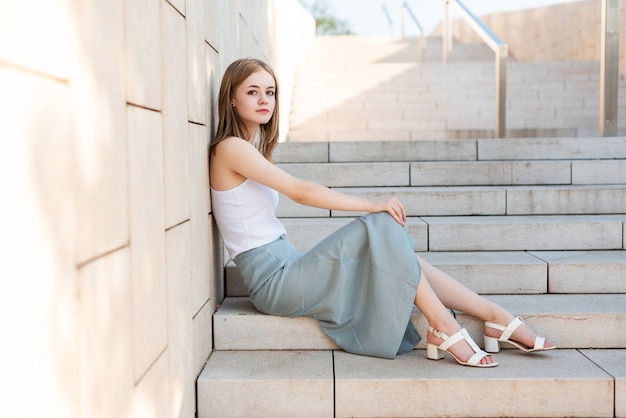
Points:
(517, 333)
(460, 346)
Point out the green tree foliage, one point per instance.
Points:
(325, 22)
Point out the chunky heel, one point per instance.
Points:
(436, 352)
(492, 345)
(433, 353)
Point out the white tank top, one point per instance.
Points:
(245, 216)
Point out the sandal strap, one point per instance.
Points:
(439, 334)
(477, 357)
(470, 341)
(539, 343)
(478, 353)
(460, 335)
(450, 341)
(508, 330)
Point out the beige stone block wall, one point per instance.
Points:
(111, 263)
(568, 31)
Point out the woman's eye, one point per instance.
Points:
(252, 92)
(270, 93)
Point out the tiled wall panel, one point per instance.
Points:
(143, 52)
(98, 86)
(175, 141)
(147, 237)
(179, 322)
(200, 201)
(106, 336)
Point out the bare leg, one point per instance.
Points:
(454, 295)
(440, 318)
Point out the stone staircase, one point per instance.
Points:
(362, 88)
(536, 224)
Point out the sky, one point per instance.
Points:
(365, 16)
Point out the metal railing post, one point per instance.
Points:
(501, 61)
(497, 46)
(407, 12)
(609, 67)
(422, 48)
(446, 40)
(402, 22)
(386, 17)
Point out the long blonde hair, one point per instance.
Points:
(230, 124)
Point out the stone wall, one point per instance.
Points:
(111, 264)
(568, 31)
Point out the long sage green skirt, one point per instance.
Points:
(359, 283)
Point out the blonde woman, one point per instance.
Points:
(362, 281)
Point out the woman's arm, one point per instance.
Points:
(241, 157)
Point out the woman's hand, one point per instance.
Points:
(394, 207)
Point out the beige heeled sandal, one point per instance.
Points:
(492, 344)
(437, 352)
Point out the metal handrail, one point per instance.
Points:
(496, 44)
(406, 10)
(609, 68)
(387, 17)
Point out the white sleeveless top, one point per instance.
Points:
(245, 216)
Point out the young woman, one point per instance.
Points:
(362, 281)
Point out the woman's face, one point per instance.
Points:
(255, 99)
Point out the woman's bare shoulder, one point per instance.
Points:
(223, 166)
(228, 148)
(231, 141)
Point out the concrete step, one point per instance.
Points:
(434, 173)
(511, 233)
(486, 233)
(460, 173)
(267, 384)
(536, 272)
(577, 383)
(571, 321)
(514, 272)
(588, 148)
(482, 200)
(519, 124)
(568, 200)
(585, 271)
